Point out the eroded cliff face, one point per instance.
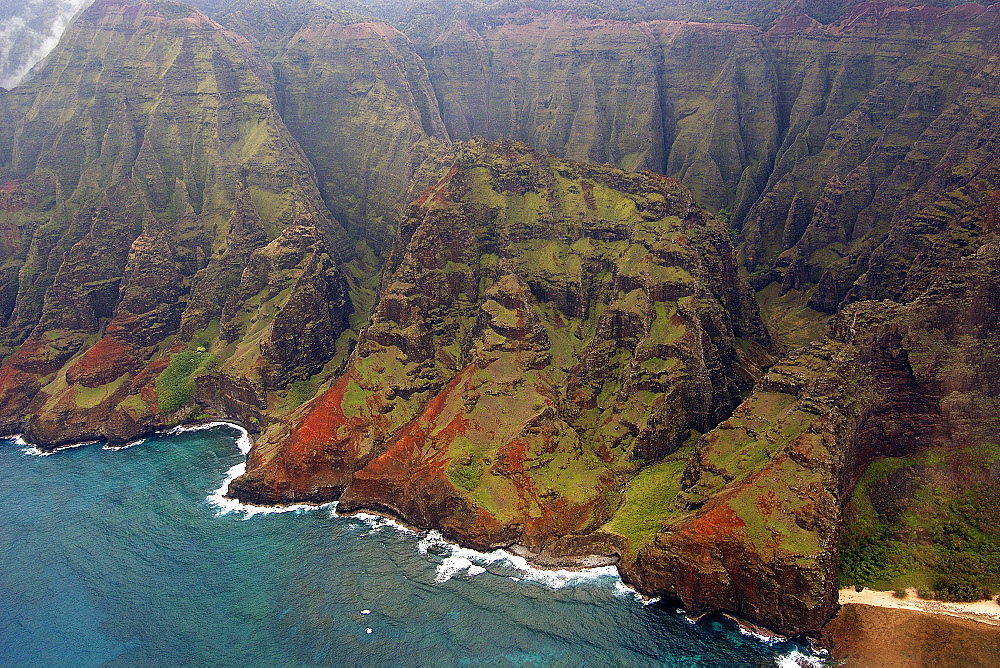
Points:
(695, 101)
(886, 158)
(756, 524)
(147, 170)
(558, 353)
(358, 99)
(546, 326)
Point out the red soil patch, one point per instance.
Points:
(148, 375)
(415, 448)
(15, 384)
(107, 360)
(719, 519)
(324, 417)
(10, 199)
(434, 192)
(510, 458)
(767, 502)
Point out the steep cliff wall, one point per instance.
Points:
(358, 99)
(695, 101)
(884, 151)
(546, 327)
(148, 169)
(755, 526)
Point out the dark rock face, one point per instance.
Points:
(305, 324)
(825, 144)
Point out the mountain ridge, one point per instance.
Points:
(299, 229)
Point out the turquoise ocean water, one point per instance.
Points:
(121, 558)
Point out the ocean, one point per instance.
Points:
(129, 557)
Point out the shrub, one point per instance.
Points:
(960, 587)
(175, 386)
(465, 474)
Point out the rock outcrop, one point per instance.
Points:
(756, 524)
(546, 326)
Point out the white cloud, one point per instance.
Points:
(31, 34)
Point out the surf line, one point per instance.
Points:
(457, 559)
(35, 450)
(225, 505)
(32, 449)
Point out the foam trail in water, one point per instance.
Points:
(764, 638)
(33, 450)
(376, 522)
(799, 659)
(225, 505)
(126, 446)
(243, 442)
(623, 589)
(459, 559)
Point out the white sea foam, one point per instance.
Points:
(243, 442)
(459, 559)
(35, 451)
(224, 505)
(115, 448)
(376, 522)
(767, 639)
(623, 589)
(798, 659)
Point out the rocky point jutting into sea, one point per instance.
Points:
(716, 302)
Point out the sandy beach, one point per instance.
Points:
(876, 629)
(987, 611)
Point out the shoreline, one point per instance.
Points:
(566, 571)
(985, 612)
(192, 425)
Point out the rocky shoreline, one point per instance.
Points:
(537, 560)
(840, 639)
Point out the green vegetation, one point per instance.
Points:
(91, 397)
(466, 473)
(300, 392)
(134, 405)
(176, 385)
(649, 500)
(931, 521)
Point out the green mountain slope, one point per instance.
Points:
(147, 169)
